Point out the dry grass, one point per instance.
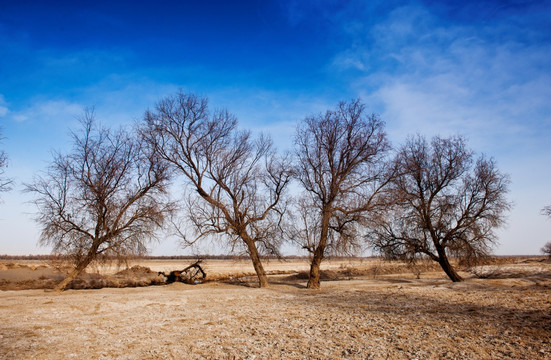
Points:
(371, 316)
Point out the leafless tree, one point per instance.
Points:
(239, 181)
(445, 204)
(341, 168)
(5, 182)
(105, 197)
(546, 249)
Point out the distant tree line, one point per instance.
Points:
(27, 257)
(232, 257)
(225, 257)
(109, 196)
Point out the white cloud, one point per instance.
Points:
(481, 99)
(491, 83)
(441, 78)
(53, 115)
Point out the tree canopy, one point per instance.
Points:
(340, 165)
(444, 203)
(106, 196)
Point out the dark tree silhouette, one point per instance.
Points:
(105, 197)
(444, 203)
(5, 182)
(239, 181)
(546, 249)
(341, 168)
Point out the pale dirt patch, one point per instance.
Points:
(386, 317)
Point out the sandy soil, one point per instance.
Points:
(386, 317)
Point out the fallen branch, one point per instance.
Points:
(188, 275)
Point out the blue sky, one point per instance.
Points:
(481, 69)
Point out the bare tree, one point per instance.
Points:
(444, 204)
(105, 197)
(239, 181)
(341, 167)
(546, 249)
(5, 183)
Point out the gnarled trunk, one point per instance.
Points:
(92, 253)
(314, 277)
(75, 272)
(255, 258)
(319, 252)
(446, 266)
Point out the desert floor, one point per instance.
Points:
(357, 315)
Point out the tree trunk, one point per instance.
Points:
(257, 264)
(314, 278)
(76, 272)
(319, 253)
(447, 267)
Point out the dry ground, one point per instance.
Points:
(369, 317)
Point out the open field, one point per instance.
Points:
(366, 312)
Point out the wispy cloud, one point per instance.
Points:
(47, 112)
(481, 69)
(437, 78)
(485, 75)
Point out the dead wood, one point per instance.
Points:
(189, 275)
